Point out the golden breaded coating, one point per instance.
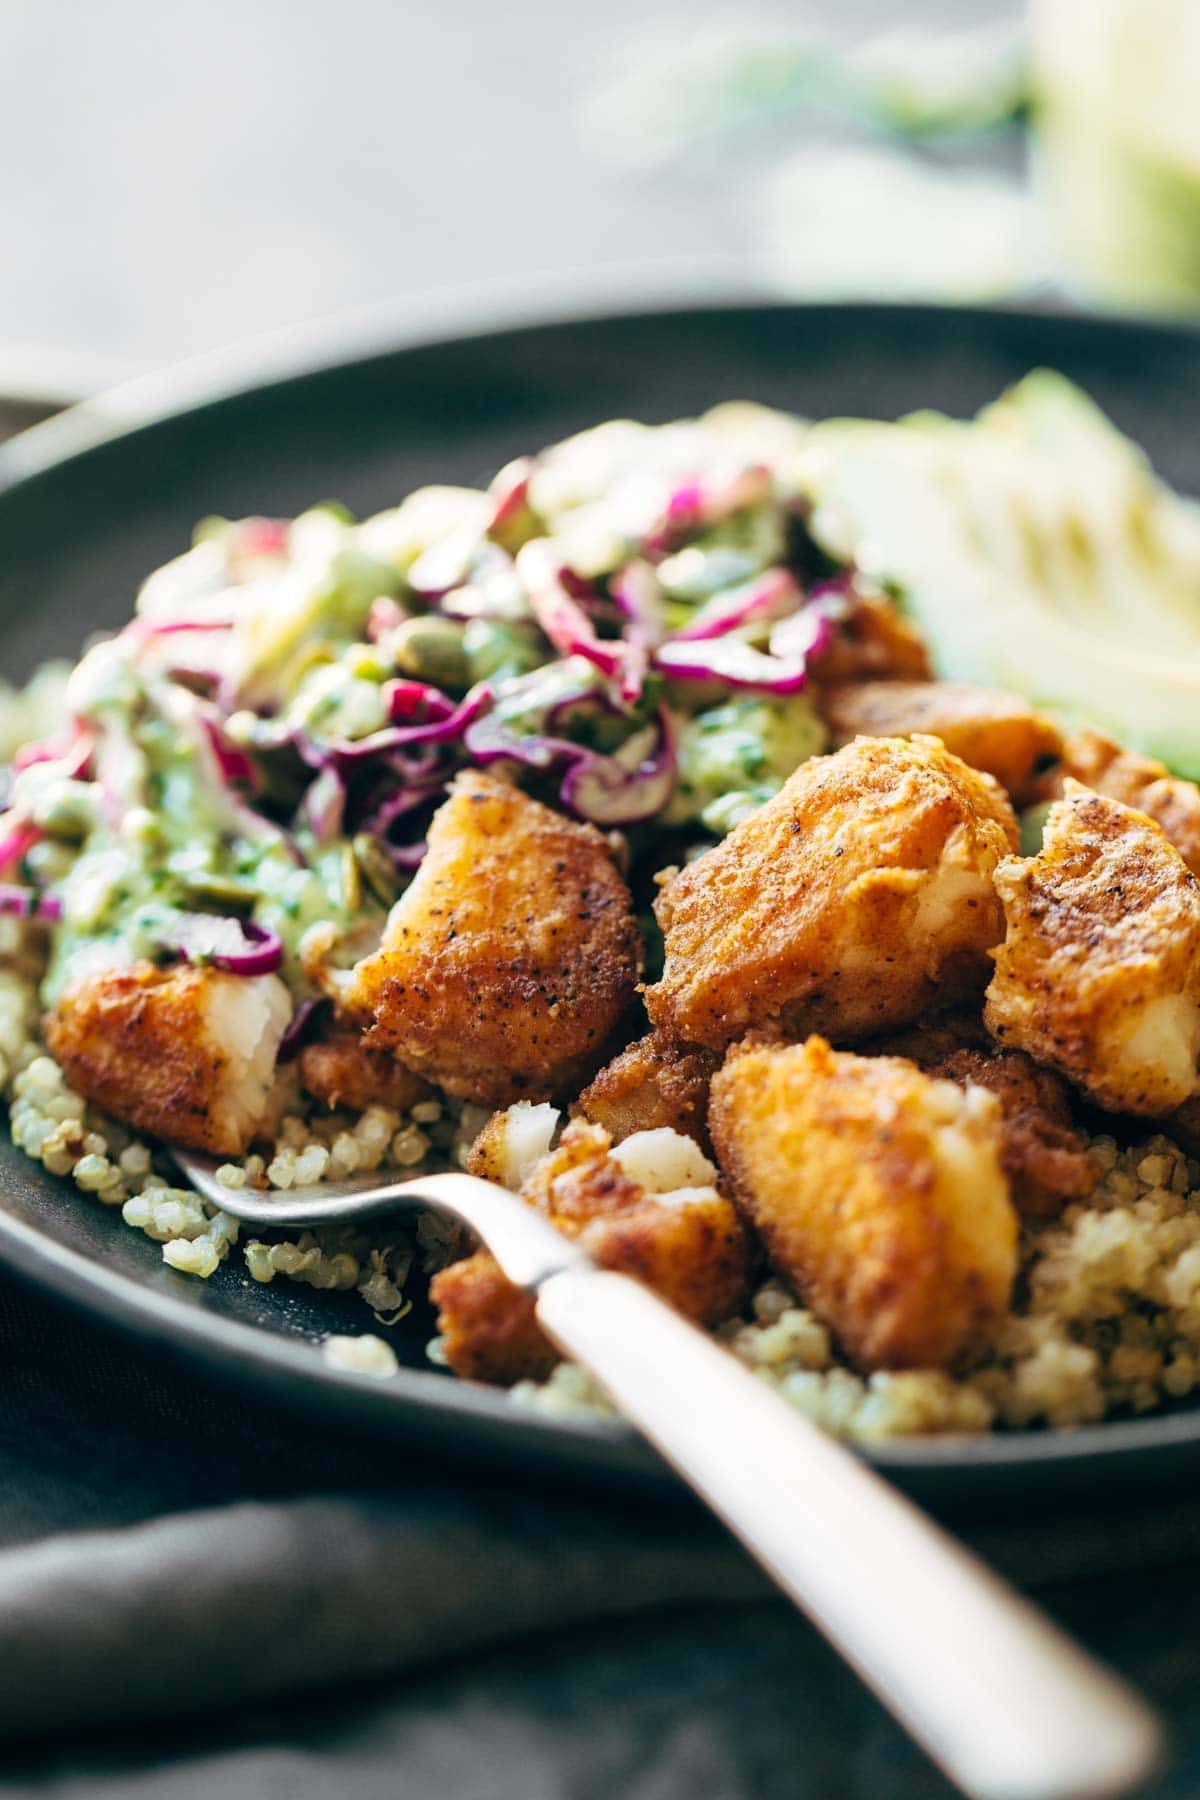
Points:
(689, 1246)
(1046, 1160)
(341, 1070)
(1099, 975)
(186, 1053)
(856, 898)
(1138, 781)
(993, 731)
(507, 964)
(488, 1331)
(652, 1083)
(871, 641)
(879, 1193)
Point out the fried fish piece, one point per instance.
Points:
(186, 1052)
(508, 963)
(340, 1069)
(1046, 1160)
(879, 1193)
(1099, 974)
(858, 896)
(1138, 781)
(871, 641)
(487, 1327)
(653, 1082)
(513, 1142)
(648, 1208)
(987, 729)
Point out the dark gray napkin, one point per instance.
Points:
(141, 1584)
(373, 1622)
(261, 1599)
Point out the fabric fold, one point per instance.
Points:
(258, 1600)
(261, 1599)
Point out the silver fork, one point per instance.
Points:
(1008, 1706)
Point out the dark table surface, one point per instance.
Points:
(738, 1700)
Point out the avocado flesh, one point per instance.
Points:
(1036, 550)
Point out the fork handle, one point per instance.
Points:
(1007, 1705)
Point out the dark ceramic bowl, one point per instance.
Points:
(92, 501)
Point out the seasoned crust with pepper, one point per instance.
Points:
(1099, 974)
(989, 730)
(855, 899)
(508, 963)
(1046, 1160)
(653, 1082)
(341, 1070)
(1138, 781)
(879, 1194)
(687, 1244)
(186, 1052)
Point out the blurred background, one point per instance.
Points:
(179, 178)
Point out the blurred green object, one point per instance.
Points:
(914, 82)
(1035, 549)
(1118, 133)
(666, 95)
(927, 83)
(858, 219)
(1110, 88)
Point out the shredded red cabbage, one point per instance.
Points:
(807, 633)
(210, 938)
(398, 805)
(556, 722)
(601, 789)
(261, 537)
(594, 786)
(696, 503)
(306, 1019)
(17, 841)
(559, 613)
(491, 740)
(784, 670)
(75, 756)
(143, 630)
(405, 699)
(448, 723)
(768, 596)
(29, 903)
(232, 761)
(508, 493)
(636, 593)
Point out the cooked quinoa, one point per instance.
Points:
(1107, 1320)
(1108, 1307)
(109, 1163)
